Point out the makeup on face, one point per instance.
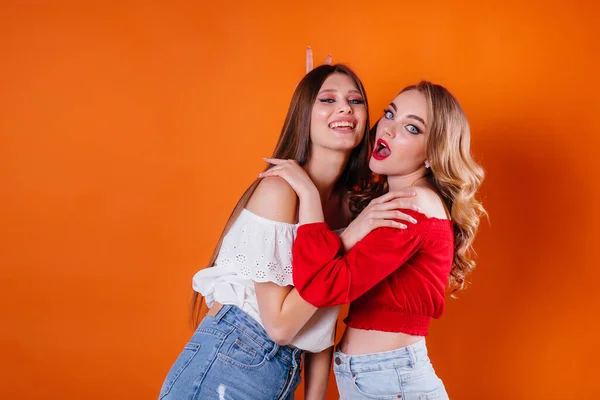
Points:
(400, 141)
(340, 103)
(339, 115)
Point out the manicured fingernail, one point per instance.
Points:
(402, 226)
(414, 221)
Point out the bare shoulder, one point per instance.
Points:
(274, 199)
(430, 202)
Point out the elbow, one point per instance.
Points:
(279, 335)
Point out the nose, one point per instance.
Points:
(392, 130)
(345, 108)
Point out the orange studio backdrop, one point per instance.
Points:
(129, 129)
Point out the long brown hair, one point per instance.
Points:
(294, 143)
(454, 174)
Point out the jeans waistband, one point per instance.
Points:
(407, 356)
(257, 333)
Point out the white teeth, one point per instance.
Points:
(382, 145)
(341, 123)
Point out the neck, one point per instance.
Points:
(325, 168)
(397, 182)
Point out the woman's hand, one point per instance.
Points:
(311, 209)
(309, 59)
(293, 173)
(381, 212)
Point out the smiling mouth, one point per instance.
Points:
(345, 126)
(381, 150)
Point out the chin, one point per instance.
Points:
(344, 145)
(377, 166)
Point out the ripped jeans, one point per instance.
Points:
(230, 357)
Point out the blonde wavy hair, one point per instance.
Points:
(454, 174)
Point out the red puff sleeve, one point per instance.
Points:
(325, 278)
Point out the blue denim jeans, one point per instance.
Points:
(230, 357)
(405, 374)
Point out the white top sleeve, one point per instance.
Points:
(257, 249)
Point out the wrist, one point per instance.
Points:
(311, 209)
(346, 241)
(309, 193)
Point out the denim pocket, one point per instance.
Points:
(378, 385)
(188, 353)
(436, 394)
(242, 354)
(423, 384)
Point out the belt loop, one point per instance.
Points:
(412, 355)
(273, 351)
(297, 357)
(221, 313)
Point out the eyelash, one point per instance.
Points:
(353, 101)
(386, 112)
(413, 133)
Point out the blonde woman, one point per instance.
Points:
(394, 280)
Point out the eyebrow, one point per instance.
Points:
(410, 115)
(335, 90)
(421, 120)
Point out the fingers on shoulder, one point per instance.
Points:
(429, 202)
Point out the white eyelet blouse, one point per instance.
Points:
(257, 249)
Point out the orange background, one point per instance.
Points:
(129, 130)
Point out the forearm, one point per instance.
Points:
(283, 311)
(311, 209)
(326, 278)
(295, 313)
(317, 367)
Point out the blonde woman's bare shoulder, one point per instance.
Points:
(274, 199)
(430, 202)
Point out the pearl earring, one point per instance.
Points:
(427, 165)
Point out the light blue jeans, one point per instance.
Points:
(405, 374)
(230, 357)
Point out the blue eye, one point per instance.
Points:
(387, 114)
(413, 129)
(327, 101)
